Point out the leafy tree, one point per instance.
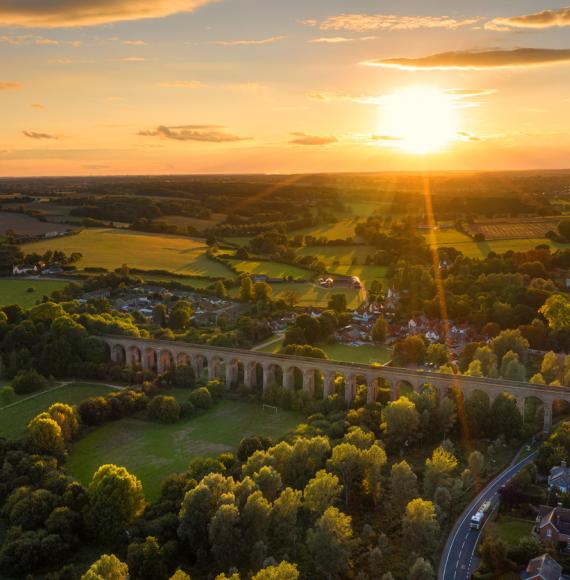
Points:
(403, 485)
(420, 527)
(494, 553)
(159, 315)
(550, 368)
(527, 548)
(321, 492)
(410, 350)
(510, 340)
(556, 310)
(439, 470)
(116, 499)
(66, 417)
(437, 354)
(475, 369)
(400, 421)
(146, 560)
(29, 381)
(45, 435)
(107, 567)
(180, 316)
(220, 289)
(262, 291)
(246, 293)
(164, 408)
(7, 395)
(337, 302)
(373, 460)
(421, 570)
(179, 575)
(46, 312)
(477, 412)
(284, 520)
(330, 543)
(225, 535)
(347, 462)
(511, 368)
(269, 482)
(281, 571)
(476, 462)
(255, 519)
(488, 360)
(505, 416)
(380, 330)
(201, 398)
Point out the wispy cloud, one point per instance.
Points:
(38, 40)
(543, 19)
(204, 133)
(69, 13)
(134, 42)
(304, 139)
(478, 59)
(39, 136)
(9, 86)
(248, 42)
(130, 59)
(182, 85)
(368, 22)
(339, 39)
(37, 106)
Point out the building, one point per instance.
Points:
(559, 478)
(553, 525)
(544, 567)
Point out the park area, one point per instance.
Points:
(152, 450)
(111, 248)
(309, 294)
(15, 417)
(19, 291)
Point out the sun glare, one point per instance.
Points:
(419, 120)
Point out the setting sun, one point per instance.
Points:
(419, 120)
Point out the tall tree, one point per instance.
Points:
(420, 527)
(225, 535)
(403, 485)
(321, 492)
(107, 567)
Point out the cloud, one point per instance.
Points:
(329, 97)
(38, 106)
(204, 133)
(248, 42)
(469, 93)
(130, 59)
(367, 22)
(8, 86)
(339, 39)
(304, 139)
(479, 59)
(39, 40)
(388, 138)
(39, 136)
(134, 42)
(467, 136)
(182, 85)
(543, 19)
(67, 13)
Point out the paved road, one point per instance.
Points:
(458, 554)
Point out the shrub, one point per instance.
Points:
(201, 398)
(187, 409)
(165, 409)
(216, 388)
(30, 289)
(29, 381)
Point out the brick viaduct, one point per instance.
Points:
(259, 369)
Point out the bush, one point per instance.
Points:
(165, 409)
(7, 396)
(30, 289)
(201, 398)
(216, 388)
(29, 381)
(187, 409)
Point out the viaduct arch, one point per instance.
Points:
(229, 364)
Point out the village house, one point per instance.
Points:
(553, 525)
(559, 478)
(544, 567)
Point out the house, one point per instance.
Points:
(559, 478)
(553, 525)
(544, 567)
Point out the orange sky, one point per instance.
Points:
(196, 86)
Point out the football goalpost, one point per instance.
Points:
(269, 408)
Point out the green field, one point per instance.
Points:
(14, 291)
(151, 450)
(109, 248)
(190, 282)
(340, 230)
(271, 269)
(366, 354)
(511, 530)
(13, 419)
(472, 249)
(310, 294)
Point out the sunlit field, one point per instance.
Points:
(311, 294)
(271, 269)
(108, 248)
(152, 450)
(15, 291)
(340, 230)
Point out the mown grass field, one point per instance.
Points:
(310, 294)
(14, 291)
(13, 419)
(152, 450)
(340, 230)
(24, 224)
(109, 248)
(511, 530)
(366, 354)
(271, 269)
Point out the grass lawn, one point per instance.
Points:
(191, 282)
(13, 291)
(310, 294)
(472, 249)
(13, 419)
(109, 248)
(151, 450)
(345, 353)
(340, 230)
(511, 530)
(271, 269)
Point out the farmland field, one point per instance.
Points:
(515, 228)
(198, 223)
(190, 282)
(109, 248)
(24, 224)
(340, 230)
(271, 269)
(14, 291)
(152, 450)
(13, 419)
(310, 294)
